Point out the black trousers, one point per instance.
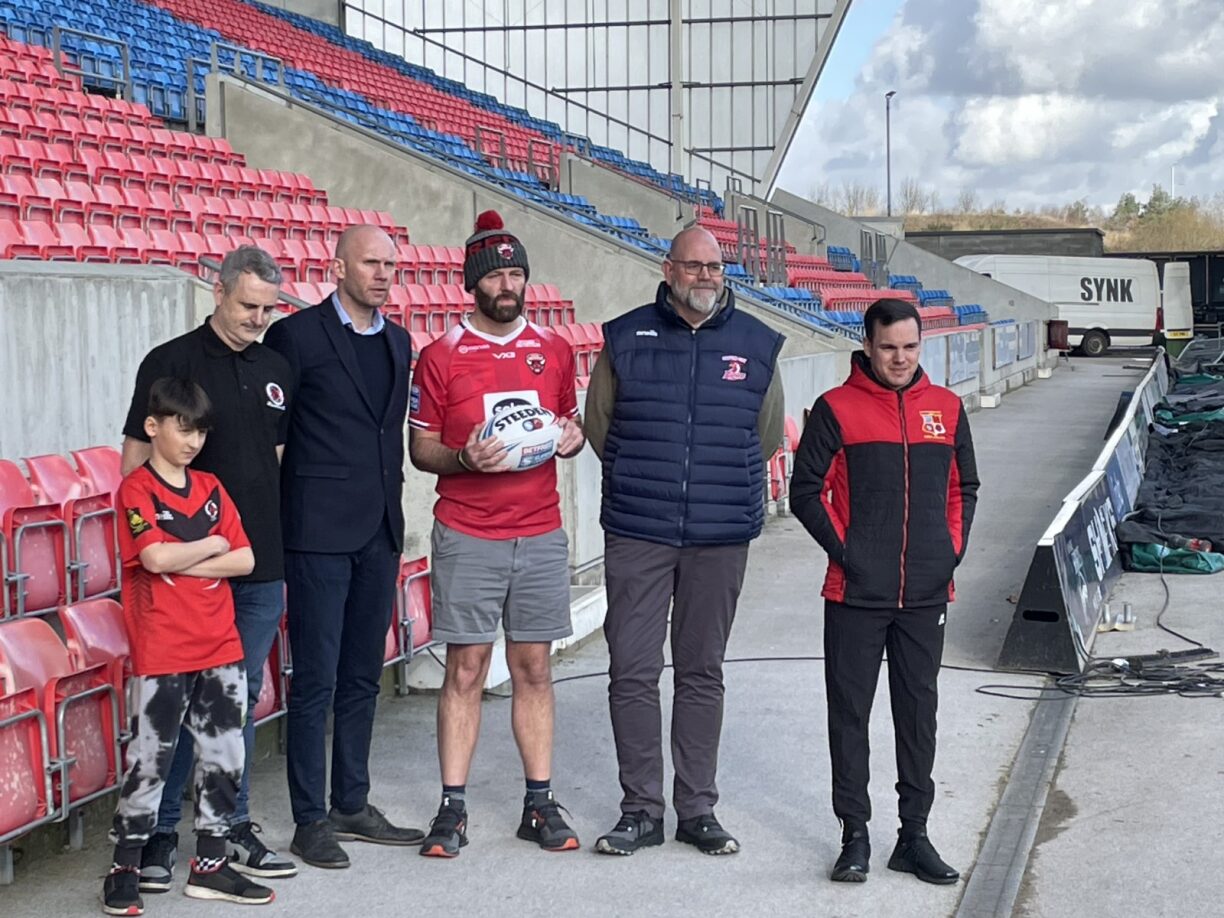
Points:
(855, 640)
(340, 608)
(700, 586)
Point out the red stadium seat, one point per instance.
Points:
(95, 633)
(26, 799)
(99, 467)
(93, 545)
(33, 540)
(81, 707)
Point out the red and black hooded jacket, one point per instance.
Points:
(886, 481)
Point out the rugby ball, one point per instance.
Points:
(529, 433)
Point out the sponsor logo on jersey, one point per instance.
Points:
(505, 355)
(646, 333)
(528, 342)
(536, 362)
(136, 523)
(163, 516)
(468, 348)
(500, 401)
(211, 510)
(276, 396)
(735, 368)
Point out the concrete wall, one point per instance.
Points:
(328, 11)
(935, 273)
(71, 339)
(618, 194)
(439, 205)
(953, 244)
(806, 378)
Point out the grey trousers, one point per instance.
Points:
(701, 586)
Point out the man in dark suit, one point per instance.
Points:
(341, 484)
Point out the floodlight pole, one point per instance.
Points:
(888, 146)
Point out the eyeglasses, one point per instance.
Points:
(693, 268)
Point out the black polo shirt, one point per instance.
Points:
(250, 391)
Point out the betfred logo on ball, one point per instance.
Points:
(529, 433)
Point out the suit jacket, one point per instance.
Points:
(343, 468)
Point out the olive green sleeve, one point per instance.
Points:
(601, 396)
(771, 421)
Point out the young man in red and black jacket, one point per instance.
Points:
(885, 480)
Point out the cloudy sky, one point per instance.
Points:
(1032, 103)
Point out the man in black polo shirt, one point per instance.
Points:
(249, 386)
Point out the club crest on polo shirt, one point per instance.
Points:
(276, 396)
(932, 425)
(735, 368)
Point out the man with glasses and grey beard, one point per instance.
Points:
(685, 407)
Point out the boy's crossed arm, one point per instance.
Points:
(210, 558)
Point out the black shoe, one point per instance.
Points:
(225, 884)
(315, 843)
(247, 854)
(853, 863)
(121, 893)
(370, 825)
(157, 862)
(447, 832)
(918, 856)
(543, 824)
(633, 831)
(707, 834)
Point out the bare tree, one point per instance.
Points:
(967, 201)
(914, 198)
(859, 200)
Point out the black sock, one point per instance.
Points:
(126, 857)
(457, 794)
(210, 847)
(538, 790)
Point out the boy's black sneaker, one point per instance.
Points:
(157, 862)
(447, 832)
(225, 884)
(854, 861)
(121, 893)
(543, 824)
(707, 834)
(633, 831)
(247, 854)
(315, 843)
(918, 856)
(371, 825)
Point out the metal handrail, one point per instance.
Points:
(57, 55)
(213, 64)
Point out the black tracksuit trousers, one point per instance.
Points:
(855, 639)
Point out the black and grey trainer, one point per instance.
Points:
(370, 825)
(854, 862)
(543, 824)
(918, 856)
(249, 855)
(225, 884)
(315, 843)
(707, 834)
(633, 831)
(121, 893)
(157, 862)
(448, 831)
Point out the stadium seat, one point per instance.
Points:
(93, 545)
(33, 544)
(81, 707)
(95, 633)
(26, 799)
(99, 467)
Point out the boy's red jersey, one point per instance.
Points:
(176, 623)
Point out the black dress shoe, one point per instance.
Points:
(315, 843)
(854, 862)
(370, 825)
(918, 856)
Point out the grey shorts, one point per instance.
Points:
(521, 583)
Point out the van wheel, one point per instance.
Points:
(1095, 344)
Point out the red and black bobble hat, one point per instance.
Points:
(490, 248)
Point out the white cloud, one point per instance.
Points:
(1033, 103)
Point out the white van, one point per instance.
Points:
(1104, 301)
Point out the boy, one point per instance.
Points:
(182, 539)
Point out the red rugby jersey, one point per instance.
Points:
(176, 623)
(459, 381)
